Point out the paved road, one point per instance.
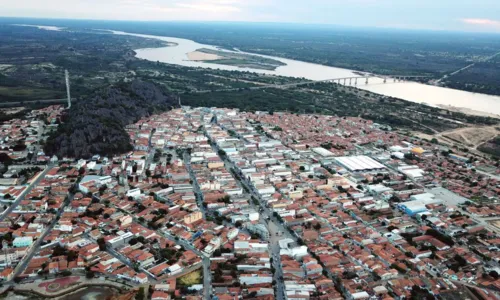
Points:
(27, 258)
(21, 197)
(273, 225)
(196, 186)
(121, 258)
(488, 174)
(207, 275)
(205, 257)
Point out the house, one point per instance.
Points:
(159, 295)
(7, 274)
(25, 241)
(141, 278)
(53, 267)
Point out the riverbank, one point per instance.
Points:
(202, 56)
(410, 91)
(468, 111)
(231, 58)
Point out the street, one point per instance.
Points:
(34, 247)
(21, 197)
(273, 226)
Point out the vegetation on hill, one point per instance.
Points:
(97, 61)
(96, 125)
(491, 147)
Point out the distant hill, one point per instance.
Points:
(96, 125)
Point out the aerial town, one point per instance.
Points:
(221, 204)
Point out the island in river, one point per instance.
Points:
(240, 60)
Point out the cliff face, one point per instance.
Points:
(96, 125)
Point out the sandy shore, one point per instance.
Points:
(468, 111)
(201, 56)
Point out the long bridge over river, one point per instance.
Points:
(353, 80)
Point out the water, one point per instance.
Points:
(411, 91)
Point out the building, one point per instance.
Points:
(120, 240)
(251, 279)
(418, 203)
(7, 274)
(24, 241)
(323, 152)
(245, 247)
(290, 248)
(259, 229)
(412, 172)
(359, 163)
(193, 217)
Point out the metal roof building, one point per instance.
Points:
(359, 163)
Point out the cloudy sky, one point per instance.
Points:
(463, 15)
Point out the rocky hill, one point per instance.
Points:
(95, 125)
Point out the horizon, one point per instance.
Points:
(446, 15)
(49, 22)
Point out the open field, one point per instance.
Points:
(468, 111)
(28, 93)
(191, 278)
(472, 136)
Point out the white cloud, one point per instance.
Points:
(482, 22)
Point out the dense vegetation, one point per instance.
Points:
(96, 124)
(374, 50)
(491, 147)
(338, 100)
(32, 61)
(96, 61)
(483, 77)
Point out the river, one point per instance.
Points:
(411, 91)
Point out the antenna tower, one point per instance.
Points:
(66, 73)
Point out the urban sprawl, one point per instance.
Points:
(262, 205)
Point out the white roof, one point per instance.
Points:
(322, 151)
(23, 238)
(360, 295)
(359, 163)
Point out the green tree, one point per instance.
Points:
(140, 294)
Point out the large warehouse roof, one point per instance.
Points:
(322, 151)
(359, 163)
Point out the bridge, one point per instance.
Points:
(353, 80)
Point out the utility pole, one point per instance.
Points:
(66, 73)
(5, 247)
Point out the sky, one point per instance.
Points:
(456, 15)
